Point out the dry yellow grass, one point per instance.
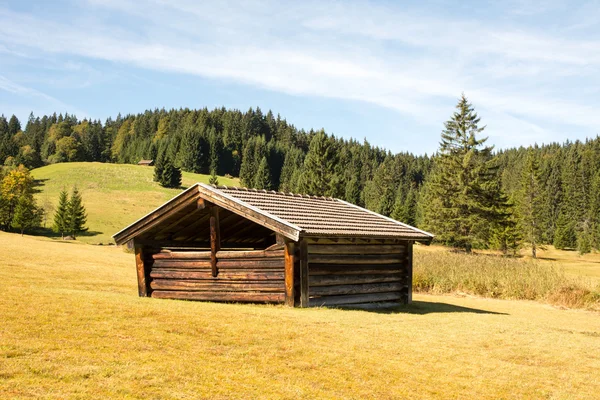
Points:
(440, 271)
(73, 327)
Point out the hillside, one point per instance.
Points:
(114, 194)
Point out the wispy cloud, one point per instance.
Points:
(395, 57)
(51, 103)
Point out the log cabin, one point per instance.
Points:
(246, 245)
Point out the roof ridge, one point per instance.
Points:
(289, 194)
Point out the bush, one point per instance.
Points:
(500, 277)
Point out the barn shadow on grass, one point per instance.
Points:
(418, 308)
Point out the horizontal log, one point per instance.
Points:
(251, 263)
(180, 263)
(356, 259)
(250, 254)
(218, 285)
(356, 249)
(333, 269)
(329, 280)
(352, 299)
(220, 296)
(181, 255)
(320, 240)
(355, 289)
(223, 275)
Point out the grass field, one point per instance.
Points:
(73, 327)
(114, 195)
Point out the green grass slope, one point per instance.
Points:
(114, 195)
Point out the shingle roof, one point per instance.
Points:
(292, 215)
(324, 216)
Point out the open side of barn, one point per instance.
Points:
(244, 245)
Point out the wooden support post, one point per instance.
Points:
(303, 273)
(409, 264)
(290, 260)
(215, 239)
(141, 271)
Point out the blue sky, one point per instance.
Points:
(389, 71)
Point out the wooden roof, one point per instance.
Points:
(291, 215)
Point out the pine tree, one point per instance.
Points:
(529, 203)
(456, 194)
(318, 166)
(26, 213)
(352, 194)
(158, 167)
(565, 236)
(77, 215)
(405, 206)
(171, 175)
(263, 176)
(248, 167)
(62, 220)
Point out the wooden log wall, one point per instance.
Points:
(244, 276)
(358, 273)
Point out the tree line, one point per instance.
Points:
(469, 194)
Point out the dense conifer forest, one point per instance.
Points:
(469, 194)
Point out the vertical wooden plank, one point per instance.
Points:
(409, 263)
(290, 260)
(303, 273)
(215, 239)
(141, 271)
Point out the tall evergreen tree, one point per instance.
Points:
(263, 175)
(318, 166)
(171, 175)
(26, 213)
(455, 199)
(62, 216)
(77, 215)
(529, 204)
(159, 167)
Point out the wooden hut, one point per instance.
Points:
(146, 163)
(247, 245)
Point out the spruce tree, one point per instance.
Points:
(158, 167)
(456, 199)
(263, 176)
(171, 175)
(352, 194)
(565, 236)
(77, 214)
(529, 203)
(26, 213)
(62, 220)
(318, 165)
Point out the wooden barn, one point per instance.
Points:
(247, 245)
(146, 163)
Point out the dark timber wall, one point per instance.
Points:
(244, 276)
(353, 273)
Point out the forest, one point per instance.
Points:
(469, 194)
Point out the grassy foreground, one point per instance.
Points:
(114, 195)
(73, 327)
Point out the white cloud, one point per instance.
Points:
(394, 58)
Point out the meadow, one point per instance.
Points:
(439, 270)
(74, 327)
